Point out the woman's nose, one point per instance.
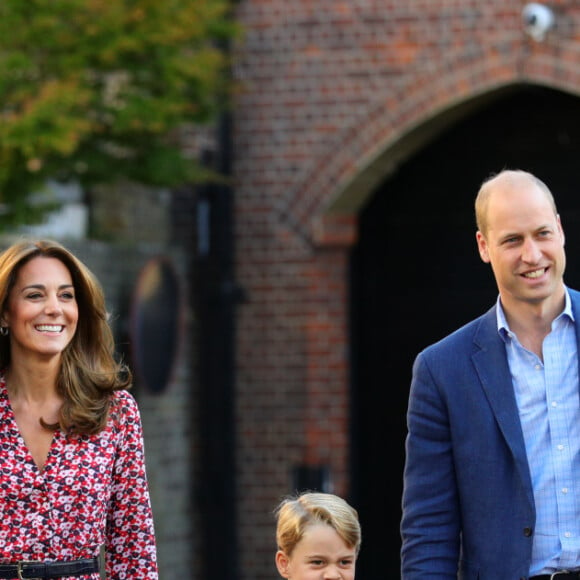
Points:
(52, 305)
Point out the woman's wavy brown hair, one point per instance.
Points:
(89, 371)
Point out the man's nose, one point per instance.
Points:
(531, 253)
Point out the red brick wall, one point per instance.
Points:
(332, 94)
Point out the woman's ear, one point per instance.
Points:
(282, 562)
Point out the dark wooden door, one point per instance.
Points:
(416, 275)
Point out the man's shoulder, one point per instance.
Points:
(574, 294)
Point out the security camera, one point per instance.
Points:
(538, 19)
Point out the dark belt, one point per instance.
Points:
(31, 569)
(561, 575)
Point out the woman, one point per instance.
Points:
(72, 472)
(318, 536)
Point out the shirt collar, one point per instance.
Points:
(502, 324)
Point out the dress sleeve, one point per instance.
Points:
(130, 551)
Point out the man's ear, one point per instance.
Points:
(561, 230)
(482, 247)
(282, 562)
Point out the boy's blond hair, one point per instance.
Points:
(294, 514)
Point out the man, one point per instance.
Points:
(492, 475)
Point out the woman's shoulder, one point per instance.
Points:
(123, 396)
(123, 405)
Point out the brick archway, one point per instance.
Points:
(324, 206)
(336, 95)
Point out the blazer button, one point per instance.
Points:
(527, 532)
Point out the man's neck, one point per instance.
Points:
(532, 321)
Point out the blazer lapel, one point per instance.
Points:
(491, 364)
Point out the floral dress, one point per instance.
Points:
(92, 491)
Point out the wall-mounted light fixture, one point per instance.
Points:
(538, 19)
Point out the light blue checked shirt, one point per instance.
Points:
(547, 394)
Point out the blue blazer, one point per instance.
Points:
(468, 505)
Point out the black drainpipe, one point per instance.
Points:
(217, 295)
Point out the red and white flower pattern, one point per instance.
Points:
(92, 491)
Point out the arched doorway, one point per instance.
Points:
(416, 275)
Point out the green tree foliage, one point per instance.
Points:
(93, 90)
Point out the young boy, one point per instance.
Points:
(318, 536)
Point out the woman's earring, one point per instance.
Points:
(4, 330)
